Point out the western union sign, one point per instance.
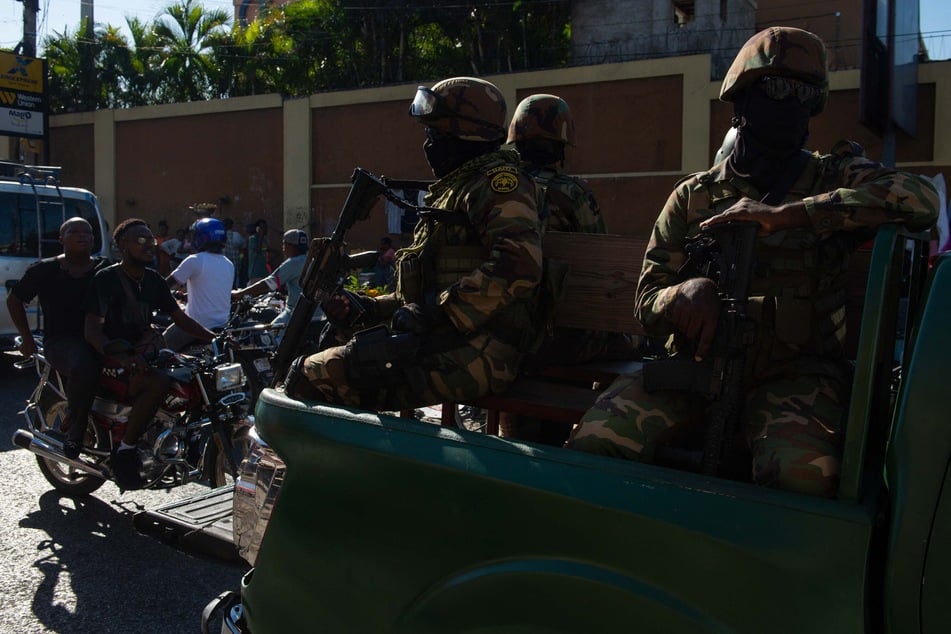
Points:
(23, 102)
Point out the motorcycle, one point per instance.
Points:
(256, 338)
(200, 432)
(255, 341)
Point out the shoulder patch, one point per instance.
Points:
(503, 179)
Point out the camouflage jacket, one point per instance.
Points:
(798, 289)
(569, 202)
(497, 251)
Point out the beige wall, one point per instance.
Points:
(641, 126)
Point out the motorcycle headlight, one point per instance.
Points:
(255, 494)
(228, 376)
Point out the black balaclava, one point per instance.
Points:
(444, 152)
(541, 151)
(769, 133)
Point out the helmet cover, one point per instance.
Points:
(542, 117)
(779, 51)
(467, 108)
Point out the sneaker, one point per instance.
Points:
(72, 449)
(125, 469)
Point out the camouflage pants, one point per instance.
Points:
(792, 426)
(481, 366)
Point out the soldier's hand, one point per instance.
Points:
(770, 219)
(413, 318)
(337, 308)
(695, 311)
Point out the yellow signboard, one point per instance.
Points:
(21, 73)
(23, 96)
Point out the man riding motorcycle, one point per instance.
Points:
(118, 307)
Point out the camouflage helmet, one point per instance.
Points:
(779, 51)
(542, 117)
(467, 108)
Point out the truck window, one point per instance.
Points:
(22, 236)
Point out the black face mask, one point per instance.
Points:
(445, 153)
(541, 151)
(438, 151)
(769, 134)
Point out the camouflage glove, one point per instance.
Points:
(417, 319)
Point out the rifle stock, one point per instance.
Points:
(326, 264)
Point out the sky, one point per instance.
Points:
(58, 16)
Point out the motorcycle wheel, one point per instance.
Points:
(219, 472)
(64, 478)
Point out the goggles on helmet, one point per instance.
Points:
(425, 103)
(429, 105)
(782, 88)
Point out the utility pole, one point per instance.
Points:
(86, 12)
(27, 48)
(28, 44)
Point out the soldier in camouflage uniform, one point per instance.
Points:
(466, 288)
(541, 128)
(813, 210)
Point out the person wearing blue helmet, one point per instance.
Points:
(207, 277)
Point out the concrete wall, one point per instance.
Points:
(617, 30)
(641, 126)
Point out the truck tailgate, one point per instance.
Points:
(199, 525)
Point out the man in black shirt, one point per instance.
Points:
(61, 283)
(118, 309)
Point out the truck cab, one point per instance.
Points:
(32, 207)
(366, 522)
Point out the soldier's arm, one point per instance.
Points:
(657, 285)
(510, 229)
(869, 195)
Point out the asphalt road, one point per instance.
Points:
(78, 565)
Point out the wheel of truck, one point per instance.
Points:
(219, 471)
(63, 477)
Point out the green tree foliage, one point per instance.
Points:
(184, 33)
(190, 52)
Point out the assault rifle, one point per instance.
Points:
(723, 253)
(327, 264)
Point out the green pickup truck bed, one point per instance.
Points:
(356, 521)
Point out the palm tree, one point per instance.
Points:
(184, 32)
(143, 76)
(71, 69)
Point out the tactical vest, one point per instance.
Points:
(446, 247)
(798, 293)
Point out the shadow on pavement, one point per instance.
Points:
(99, 574)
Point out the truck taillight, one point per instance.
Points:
(255, 494)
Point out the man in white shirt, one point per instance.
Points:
(207, 277)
